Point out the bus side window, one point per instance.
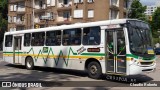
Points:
(53, 38)
(91, 36)
(27, 38)
(8, 41)
(72, 36)
(38, 39)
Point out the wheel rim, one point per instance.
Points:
(93, 69)
(29, 63)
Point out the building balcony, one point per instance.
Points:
(113, 7)
(125, 10)
(40, 22)
(64, 7)
(64, 21)
(114, 4)
(20, 12)
(20, 23)
(15, 1)
(40, 10)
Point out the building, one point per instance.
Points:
(27, 14)
(150, 10)
(157, 3)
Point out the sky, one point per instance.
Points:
(148, 2)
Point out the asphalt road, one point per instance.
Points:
(78, 79)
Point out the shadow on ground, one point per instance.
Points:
(56, 75)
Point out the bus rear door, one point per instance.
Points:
(17, 46)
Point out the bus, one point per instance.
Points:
(114, 47)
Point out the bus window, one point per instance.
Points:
(8, 41)
(91, 36)
(72, 37)
(53, 38)
(27, 38)
(38, 39)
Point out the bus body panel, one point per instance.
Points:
(61, 56)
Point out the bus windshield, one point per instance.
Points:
(140, 39)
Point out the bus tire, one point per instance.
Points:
(94, 70)
(29, 63)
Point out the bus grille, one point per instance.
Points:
(146, 63)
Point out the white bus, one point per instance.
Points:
(117, 47)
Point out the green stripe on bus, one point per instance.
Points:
(134, 56)
(12, 52)
(131, 55)
(94, 54)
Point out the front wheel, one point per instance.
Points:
(94, 70)
(29, 63)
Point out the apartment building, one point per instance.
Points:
(27, 14)
(150, 10)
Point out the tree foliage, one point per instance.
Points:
(156, 21)
(3, 18)
(137, 10)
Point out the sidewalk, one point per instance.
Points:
(1, 55)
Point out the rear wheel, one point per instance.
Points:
(29, 63)
(94, 70)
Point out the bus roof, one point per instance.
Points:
(76, 25)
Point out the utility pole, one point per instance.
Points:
(128, 4)
(33, 15)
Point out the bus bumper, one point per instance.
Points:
(137, 69)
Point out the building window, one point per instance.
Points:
(90, 13)
(51, 16)
(78, 13)
(51, 2)
(126, 3)
(91, 36)
(13, 7)
(40, 4)
(38, 39)
(65, 2)
(20, 28)
(114, 14)
(8, 41)
(9, 19)
(15, 19)
(20, 19)
(27, 38)
(72, 37)
(114, 2)
(78, 1)
(12, 29)
(53, 38)
(48, 2)
(66, 14)
(90, 1)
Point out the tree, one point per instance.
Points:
(156, 21)
(137, 10)
(3, 18)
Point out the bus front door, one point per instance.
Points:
(17, 49)
(116, 51)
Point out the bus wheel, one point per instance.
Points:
(29, 63)
(94, 70)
